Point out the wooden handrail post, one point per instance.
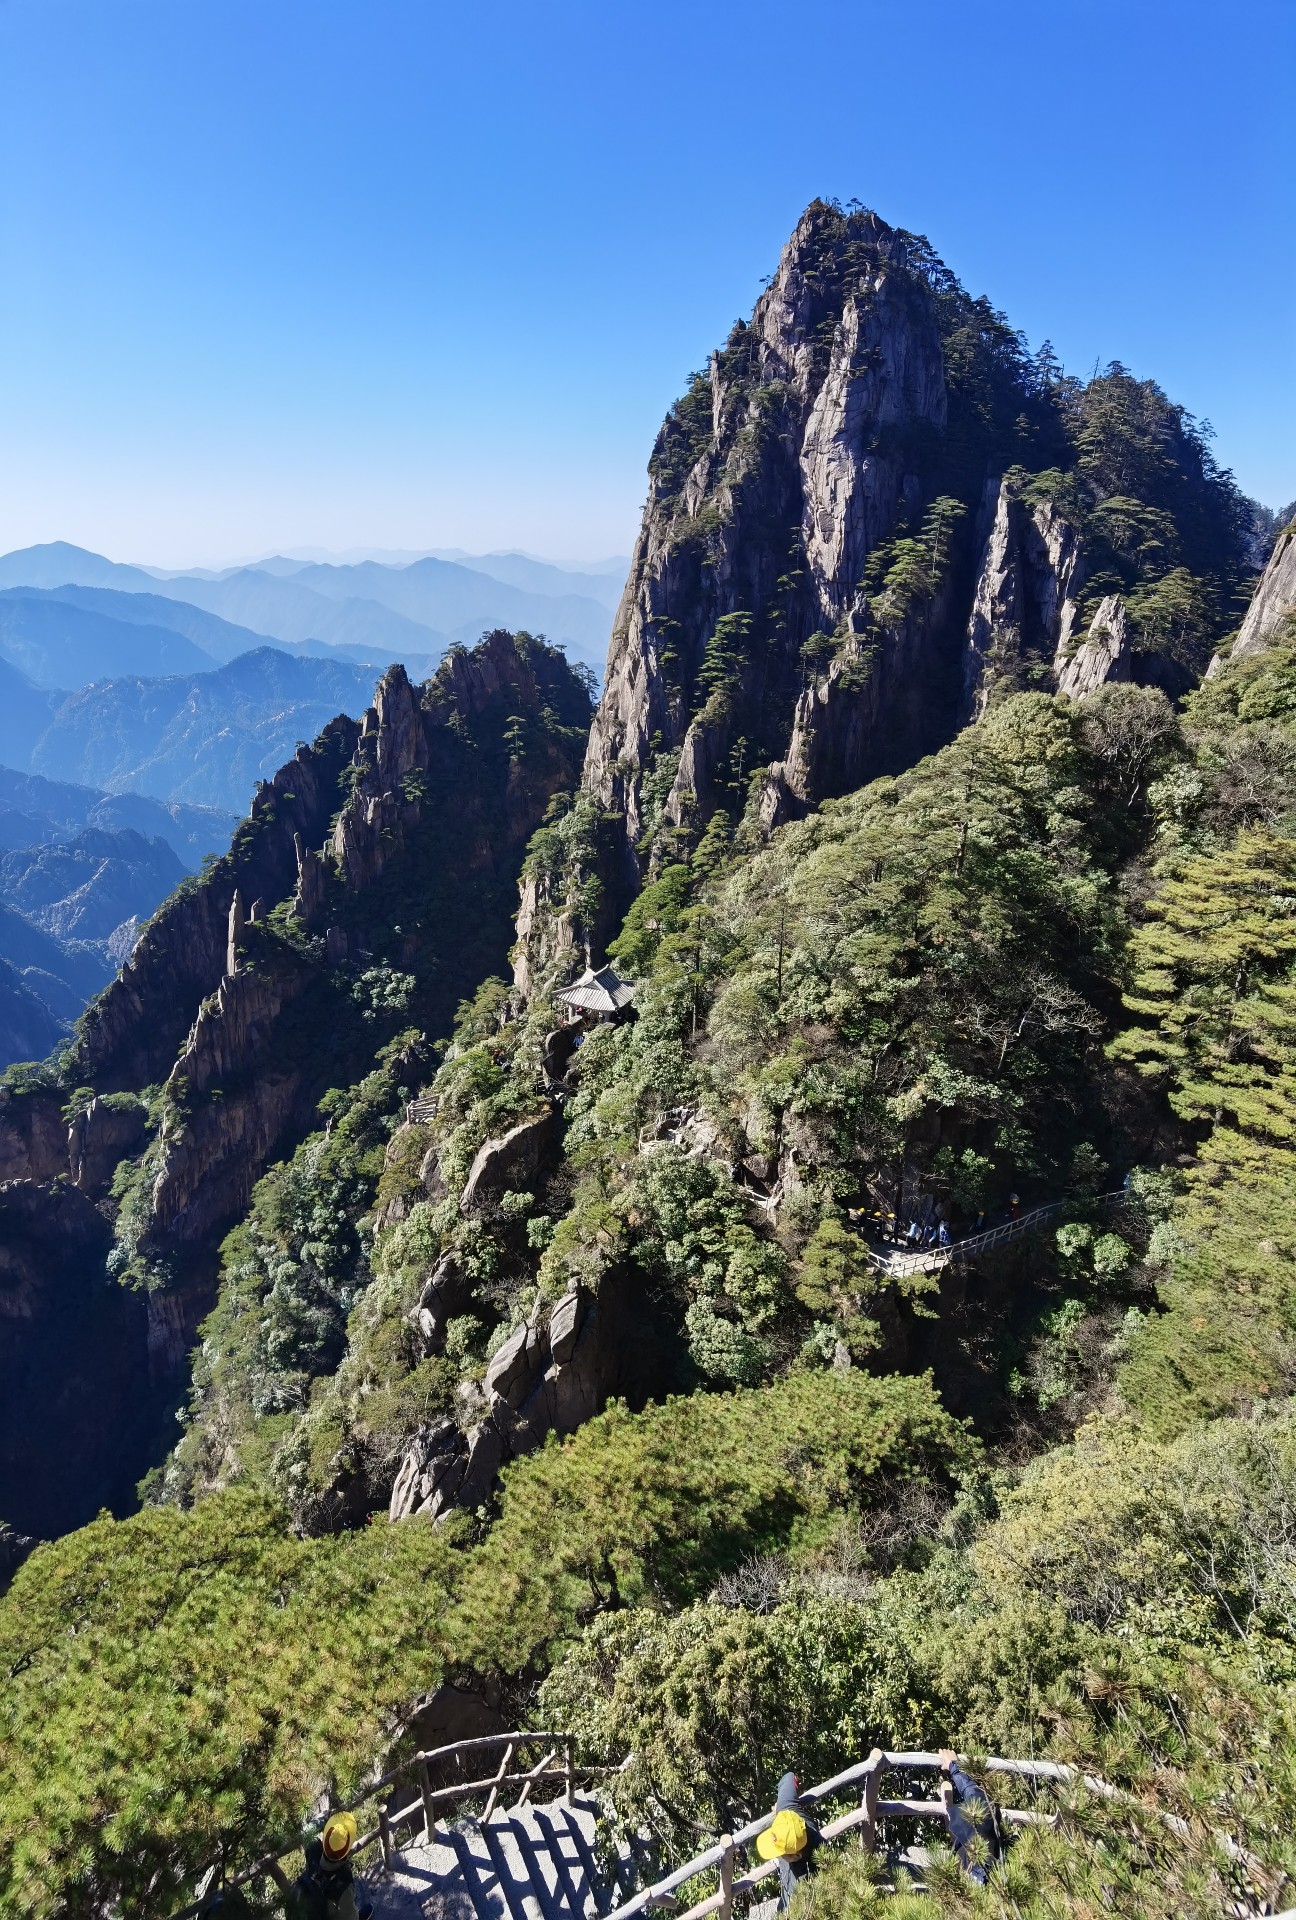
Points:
(872, 1784)
(425, 1784)
(494, 1792)
(947, 1797)
(384, 1834)
(279, 1877)
(567, 1769)
(726, 1876)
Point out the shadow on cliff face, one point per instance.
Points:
(78, 1410)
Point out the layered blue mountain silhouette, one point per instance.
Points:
(139, 709)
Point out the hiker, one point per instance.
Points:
(1014, 1206)
(326, 1890)
(971, 1822)
(943, 1234)
(789, 1838)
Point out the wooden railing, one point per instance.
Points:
(721, 1859)
(864, 1780)
(420, 1110)
(423, 1809)
(931, 1259)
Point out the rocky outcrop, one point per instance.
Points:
(545, 1378)
(234, 935)
(876, 678)
(219, 1135)
(1025, 602)
(511, 1159)
(546, 933)
(431, 1473)
(1272, 602)
(818, 412)
(382, 808)
(1104, 655)
(446, 1468)
(444, 1293)
(33, 1135)
(131, 1033)
(309, 898)
(104, 1133)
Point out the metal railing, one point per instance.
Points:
(932, 1259)
(424, 1808)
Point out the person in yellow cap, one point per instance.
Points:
(789, 1838)
(326, 1890)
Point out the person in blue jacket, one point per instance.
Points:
(973, 1831)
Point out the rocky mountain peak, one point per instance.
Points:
(771, 483)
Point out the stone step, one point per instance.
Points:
(525, 1863)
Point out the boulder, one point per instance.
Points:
(430, 1174)
(565, 1323)
(104, 1133)
(443, 1293)
(431, 1472)
(485, 1457)
(516, 1364)
(511, 1159)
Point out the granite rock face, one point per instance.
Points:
(1104, 656)
(545, 1378)
(100, 1136)
(768, 504)
(510, 1160)
(1273, 601)
(1025, 602)
(132, 1032)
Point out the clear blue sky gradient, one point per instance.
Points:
(391, 272)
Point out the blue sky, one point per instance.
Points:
(396, 273)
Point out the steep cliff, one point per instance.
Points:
(1274, 599)
(769, 487)
(1025, 604)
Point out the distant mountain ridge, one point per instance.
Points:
(87, 887)
(205, 738)
(80, 870)
(411, 613)
(58, 644)
(35, 811)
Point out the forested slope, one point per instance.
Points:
(996, 904)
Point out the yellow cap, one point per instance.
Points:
(340, 1835)
(784, 1838)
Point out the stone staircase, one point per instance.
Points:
(523, 1863)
